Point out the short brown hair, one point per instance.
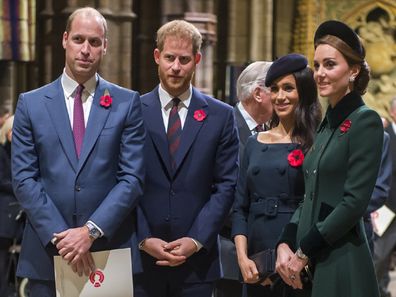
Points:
(180, 29)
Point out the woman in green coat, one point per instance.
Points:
(340, 171)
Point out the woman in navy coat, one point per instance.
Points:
(270, 185)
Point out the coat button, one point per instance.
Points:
(167, 219)
(78, 188)
(172, 193)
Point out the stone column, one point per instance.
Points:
(261, 30)
(45, 51)
(238, 36)
(206, 24)
(200, 14)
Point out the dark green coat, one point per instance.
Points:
(340, 173)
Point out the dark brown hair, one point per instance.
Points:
(353, 58)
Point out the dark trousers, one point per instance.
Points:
(40, 288)
(5, 244)
(228, 288)
(166, 286)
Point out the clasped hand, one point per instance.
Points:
(289, 266)
(73, 245)
(172, 253)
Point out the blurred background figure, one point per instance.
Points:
(4, 115)
(9, 207)
(384, 245)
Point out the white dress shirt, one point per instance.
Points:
(251, 123)
(166, 105)
(69, 87)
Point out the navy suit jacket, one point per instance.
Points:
(59, 191)
(243, 129)
(195, 199)
(391, 201)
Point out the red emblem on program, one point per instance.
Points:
(96, 278)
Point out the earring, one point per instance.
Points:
(351, 79)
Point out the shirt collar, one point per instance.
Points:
(69, 85)
(252, 124)
(166, 98)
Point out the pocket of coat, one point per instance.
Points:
(324, 211)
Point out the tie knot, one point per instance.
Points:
(79, 89)
(175, 101)
(259, 128)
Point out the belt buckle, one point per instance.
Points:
(271, 206)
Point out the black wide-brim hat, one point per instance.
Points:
(343, 32)
(287, 64)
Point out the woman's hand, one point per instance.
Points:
(295, 266)
(249, 270)
(248, 267)
(289, 266)
(284, 255)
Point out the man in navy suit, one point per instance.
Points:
(191, 156)
(77, 160)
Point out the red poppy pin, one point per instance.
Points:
(106, 100)
(199, 115)
(295, 158)
(344, 127)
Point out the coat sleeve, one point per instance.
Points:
(363, 162)
(29, 191)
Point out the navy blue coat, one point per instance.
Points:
(195, 199)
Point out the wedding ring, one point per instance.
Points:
(292, 277)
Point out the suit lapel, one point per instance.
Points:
(56, 108)
(155, 125)
(243, 129)
(191, 126)
(96, 121)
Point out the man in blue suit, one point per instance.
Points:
(191, 153)
(77, 160)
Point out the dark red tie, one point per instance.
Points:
(174, 131)
(78, 120)
(259, 128)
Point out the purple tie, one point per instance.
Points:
(259, 128)
(174, 131)
(78, 120)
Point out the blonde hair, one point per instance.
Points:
(180, 29)
(7, 127)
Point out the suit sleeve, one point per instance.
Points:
(29, 191)
(129, 187)
(384, 179)
(363, 163)
(213, 214)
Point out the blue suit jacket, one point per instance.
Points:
(194, 200)
(59, 191)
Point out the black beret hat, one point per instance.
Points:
(343, 32)
(285, 65)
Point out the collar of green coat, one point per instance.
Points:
(335, 116)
